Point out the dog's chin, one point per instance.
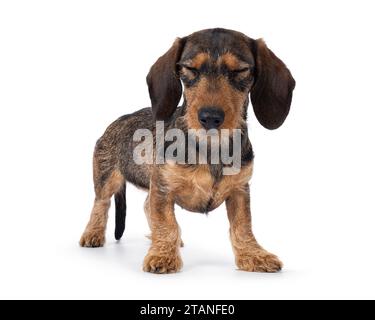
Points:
(210, 137)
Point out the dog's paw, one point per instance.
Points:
(162, 263)
(92, 239)
(259, 261)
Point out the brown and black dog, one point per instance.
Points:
(219, 70)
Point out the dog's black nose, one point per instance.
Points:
(211, 117)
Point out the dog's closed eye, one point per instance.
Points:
(190, 68)
(188, 73)
(242, 73)
(241, 70)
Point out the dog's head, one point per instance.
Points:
(219, 69)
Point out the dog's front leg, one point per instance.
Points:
(250, 256)
(164, 253)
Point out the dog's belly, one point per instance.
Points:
(195, 189)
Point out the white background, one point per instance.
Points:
(69, 68)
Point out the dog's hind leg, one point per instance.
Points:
(107, 183)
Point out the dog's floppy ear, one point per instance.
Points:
(164, 86)
(271, 94)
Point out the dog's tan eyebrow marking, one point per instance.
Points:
(232, 62)
(197, 61)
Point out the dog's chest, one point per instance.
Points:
(195, 189)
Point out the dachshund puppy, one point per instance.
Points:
(221, 70)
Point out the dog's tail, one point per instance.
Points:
(120, 202)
